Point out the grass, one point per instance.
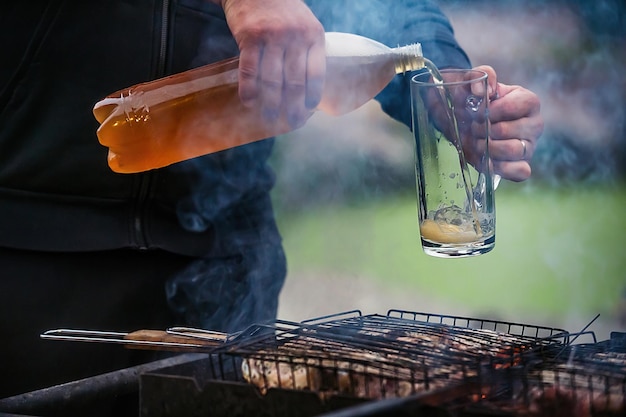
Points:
(558, 250)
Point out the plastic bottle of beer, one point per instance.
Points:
(198, 112)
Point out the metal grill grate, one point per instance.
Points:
(582, 380)
(377, 356)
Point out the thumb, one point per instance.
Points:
(492, 80)
(504, 89)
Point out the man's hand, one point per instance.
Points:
(516, 125)
(282, 56)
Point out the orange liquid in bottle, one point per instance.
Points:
(198, 112)
(175, 129)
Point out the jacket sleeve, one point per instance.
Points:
(396, 23)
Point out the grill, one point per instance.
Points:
(383, 356)
(401, 363)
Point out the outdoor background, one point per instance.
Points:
(346, 204)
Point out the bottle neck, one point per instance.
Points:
(408, 58)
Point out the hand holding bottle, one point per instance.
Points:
(282, 60)
(199, 111)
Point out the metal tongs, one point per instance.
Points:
(172, 339)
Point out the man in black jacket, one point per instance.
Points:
(194, 243)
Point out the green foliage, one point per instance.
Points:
(558, 250)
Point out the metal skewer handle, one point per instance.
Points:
(141, 339)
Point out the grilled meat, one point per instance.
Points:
(377, 363)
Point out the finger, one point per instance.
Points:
(248, 75)
(492, 82)
(315, 75)
(511, 150)
(479, 129)
(271, 81)
(514, 103)
(474, 151)
(295, 86)
(513, 170)
(528, 128)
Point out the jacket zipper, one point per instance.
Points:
(164, 35)
(145, 180)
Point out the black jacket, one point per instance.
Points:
(59, 57)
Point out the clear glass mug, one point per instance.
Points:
(455, 185)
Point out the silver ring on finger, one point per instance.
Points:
(523, 149)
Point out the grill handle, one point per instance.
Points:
(196, 340)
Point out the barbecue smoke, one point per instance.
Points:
(575, 64)
(230, 293)
(572, 54)
(240, 279)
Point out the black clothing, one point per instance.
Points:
(194, 243)
(57, 192)
(84, 247)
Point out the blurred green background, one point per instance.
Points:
(346, 203)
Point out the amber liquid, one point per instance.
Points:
(143, 136)
(173, 130)
(447, 233)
